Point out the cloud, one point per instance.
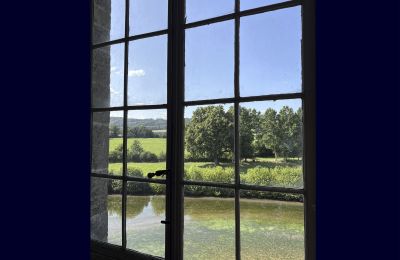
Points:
(136, 73)
(113, 68)
(113, 91)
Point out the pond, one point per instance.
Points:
(269, 229)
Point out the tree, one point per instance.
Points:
(116, 154)
(270, 131)
(115, 131)
(208, 133)
(249, 124)
(282, 132)
(135, 151)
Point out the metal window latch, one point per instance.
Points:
(157, 173)
(165, 222)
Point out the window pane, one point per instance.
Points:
(209, 223)
(147, 73)
(271, 225)
(249, 4)
(107, 147)
(209, 143)
(203, 9)
(147, 142)
(270, 53)
(108, 76)
(144, 212)
(271, 143)
(105, 210)
(209, 55)
(147, 16)
(108, 20)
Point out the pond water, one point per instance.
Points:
(269, 229)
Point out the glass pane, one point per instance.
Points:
(147, 73)
(147, 16)
(271, 225)
(105, 210)
(203, 9)
(209, 55)
(108, 76)
(107, 138)
(147, 142)
(108, 20)
(209, 223)
(249, 4)
(144, 212)
(209, 134)
(270, 53)
(271, 143)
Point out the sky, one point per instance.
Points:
(270, 54)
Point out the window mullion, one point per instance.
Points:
(236, 127)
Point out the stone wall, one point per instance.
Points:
(100, 121)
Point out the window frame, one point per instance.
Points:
(175, 126)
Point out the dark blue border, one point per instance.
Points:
(45, 118)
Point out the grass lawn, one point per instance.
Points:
(153, 145)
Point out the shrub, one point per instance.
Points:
(116, 154)
(148, 157)
(162, 157)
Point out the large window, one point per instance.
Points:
(203, 129)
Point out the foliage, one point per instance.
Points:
(207, 134)
(115, 131)
(116, 154)
(140, 132)
(281, 132)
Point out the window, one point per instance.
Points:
(203, 116)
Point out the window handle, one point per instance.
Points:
(165, 222)
(157, 173)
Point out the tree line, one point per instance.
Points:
(210, 133)
(135, 132)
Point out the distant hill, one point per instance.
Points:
(153, 124)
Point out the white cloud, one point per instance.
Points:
(136, 73)
(113, 68)
(113, 91)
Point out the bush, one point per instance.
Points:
(148, 157)
(116, 154)
(162, 156)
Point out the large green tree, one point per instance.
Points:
(249, 120)
(208, 133)
(282, 132)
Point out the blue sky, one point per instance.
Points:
(270, 56)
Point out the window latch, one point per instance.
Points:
(165, 222)
(157, 173)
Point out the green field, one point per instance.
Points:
(153, 145)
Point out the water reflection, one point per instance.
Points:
(264, 223)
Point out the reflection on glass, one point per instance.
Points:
(271, 228)
(147, 72)
(147, 142)
(203, 9)
(145, 210)
(209, 61)
(209, 223)
(108, 76)
(271, 143)
(249, 4)
(209, 143)
(107, 142)
(105, 208)
(270, 53)
(108, 20)
(147, 16)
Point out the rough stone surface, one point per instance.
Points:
(100, 121)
